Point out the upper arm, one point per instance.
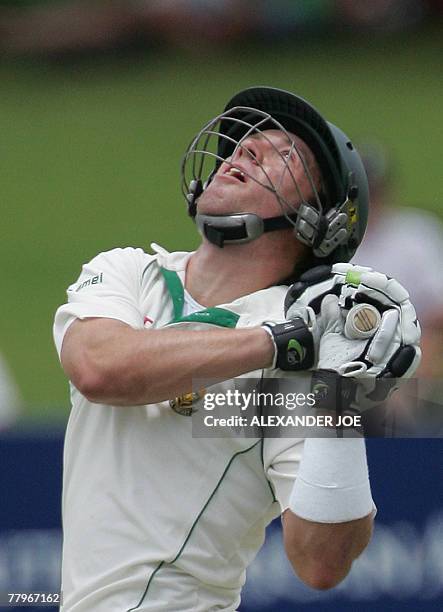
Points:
(108, 287)
(102, 304)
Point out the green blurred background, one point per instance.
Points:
(91, 156)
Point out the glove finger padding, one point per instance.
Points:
(394, 349)
(375, 352)
(386, 339)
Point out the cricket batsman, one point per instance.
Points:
(155, 519)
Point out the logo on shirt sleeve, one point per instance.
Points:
(92, 280)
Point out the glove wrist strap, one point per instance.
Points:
(333, 393)
(294, 344)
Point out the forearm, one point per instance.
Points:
(322, 553)
(112, 363)
(329, 520)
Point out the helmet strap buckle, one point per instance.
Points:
(307, 224)
(336, 232)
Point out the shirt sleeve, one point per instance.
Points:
(108, 287)
(281, 460)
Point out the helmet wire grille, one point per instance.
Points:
(220, 140)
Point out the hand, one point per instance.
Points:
(399, 328)
(392, 352)
(294, 348)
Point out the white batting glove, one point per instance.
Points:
(357, 285)
(393, 350)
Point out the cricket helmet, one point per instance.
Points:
(332, 223)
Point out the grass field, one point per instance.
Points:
(91, 158)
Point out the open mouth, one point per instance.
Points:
(236, 173)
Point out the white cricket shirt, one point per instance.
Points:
(153, 518)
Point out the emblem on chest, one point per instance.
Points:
(185, 404)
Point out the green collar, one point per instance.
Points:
(214, 316)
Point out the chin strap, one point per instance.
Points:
(239, 228)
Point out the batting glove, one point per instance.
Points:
(370, 365)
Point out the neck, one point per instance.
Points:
(217, 276)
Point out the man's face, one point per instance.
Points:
(270, 158)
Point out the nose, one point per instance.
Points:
(249, 149)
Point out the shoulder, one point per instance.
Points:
(123, 255)
(121, 260)
(123, 265)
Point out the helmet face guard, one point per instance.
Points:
(212, 146)
(332, 222)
